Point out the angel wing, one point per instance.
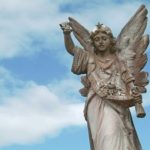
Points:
(81, 34)
(132, 45)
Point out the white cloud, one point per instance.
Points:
(32, 112)
(22, 24)
(32, 25)
(67, 88)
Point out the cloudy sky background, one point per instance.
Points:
(40, 107)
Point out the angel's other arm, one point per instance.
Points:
(129, 79)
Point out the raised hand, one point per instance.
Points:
(66, 27)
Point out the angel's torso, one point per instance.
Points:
(106, 76)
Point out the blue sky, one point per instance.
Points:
(40, 107)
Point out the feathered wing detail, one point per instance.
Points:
(81, 34)
(132, 45)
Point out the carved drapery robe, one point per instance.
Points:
(109, 120)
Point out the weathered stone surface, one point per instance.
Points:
(114, 79)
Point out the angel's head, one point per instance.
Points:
(102, 39)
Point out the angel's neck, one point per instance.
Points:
(104, 54)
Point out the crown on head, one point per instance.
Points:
(101, 28)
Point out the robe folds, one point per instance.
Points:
(109, 122)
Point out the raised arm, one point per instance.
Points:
(67, 37)
(80, 56)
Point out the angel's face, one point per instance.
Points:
(102, 42)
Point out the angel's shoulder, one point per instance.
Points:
(91, 58)
(80, 50)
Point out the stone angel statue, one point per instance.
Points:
(113, 80)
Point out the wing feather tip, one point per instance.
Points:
(70, 18)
